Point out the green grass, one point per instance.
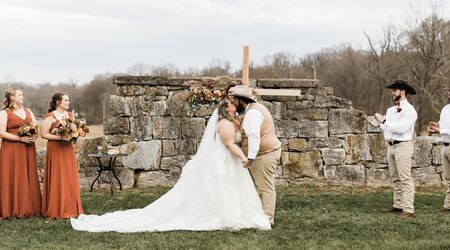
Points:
(307, 217)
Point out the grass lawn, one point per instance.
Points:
(307, 217)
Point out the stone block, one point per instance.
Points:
(119, 139)
(156, 91)
(120, 106)
(297, 144)
(347, 121)
(308, 114)
(331, 102)
(277, 109)
(426, 176)
(320, 91)
(89, 146)
(204, 111)
(192, 128)
(141, 127)
(286, 128)
(140, 80)
(437, 154)
(177, 107)
(357, 148)
(129, 90)
(173, 162)
(299, 105)
(155, 178)
(116, 125)
(179, 147)
(309, 129)
(378, 177)
(422, 156)
(377, 147)
(307, 164)
(325, 142)
(346, 174)
(166, 127)
(286, 83)
(333, 156)
(142, 155)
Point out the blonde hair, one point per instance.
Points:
(223, 113)
(7, 102)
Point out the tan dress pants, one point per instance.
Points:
(263, 172)
(399, 158)
(446, 177)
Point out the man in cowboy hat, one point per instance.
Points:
(398, 129)
(261, 145)
(443, 127)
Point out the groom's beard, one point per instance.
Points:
(396, 98)
(240, 108)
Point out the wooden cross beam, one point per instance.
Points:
(262, 92)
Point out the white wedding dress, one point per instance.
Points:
(214, 192)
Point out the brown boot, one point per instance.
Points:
(393, 210)
(443, 210)
(405, 215)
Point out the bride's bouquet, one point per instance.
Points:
(70, 129)
(28, 129)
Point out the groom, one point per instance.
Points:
(261, 145)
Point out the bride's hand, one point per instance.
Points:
(245, 162)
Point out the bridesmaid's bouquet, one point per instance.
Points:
(28, 129)
(70, 129)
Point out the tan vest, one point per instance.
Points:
(269, 140)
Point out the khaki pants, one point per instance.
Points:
(399, 158)
(446, 166)
(263, 172)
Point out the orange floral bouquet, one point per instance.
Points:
(70, 129)
(207, 91)
(28, 129)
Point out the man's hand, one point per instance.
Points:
(373, 121)
(433, 127)
(379, 117)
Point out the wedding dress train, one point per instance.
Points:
(214, 192)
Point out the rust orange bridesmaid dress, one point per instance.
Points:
(19, 185)
(61, 195)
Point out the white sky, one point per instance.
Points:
(57, 40)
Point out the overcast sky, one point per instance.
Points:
(57, 40)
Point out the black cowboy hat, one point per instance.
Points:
(402, 85)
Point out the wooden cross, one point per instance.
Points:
(272, 92)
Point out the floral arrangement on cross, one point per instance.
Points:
(207, 91)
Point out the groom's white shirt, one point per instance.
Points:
(252, 123)
(444, 123)
(399, 125)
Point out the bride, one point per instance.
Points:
(214, 191)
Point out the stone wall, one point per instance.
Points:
(324, 138)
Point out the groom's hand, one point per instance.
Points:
(250, 162)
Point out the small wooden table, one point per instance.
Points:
(109, 168)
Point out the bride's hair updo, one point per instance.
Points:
(57, 97)
(10, 92)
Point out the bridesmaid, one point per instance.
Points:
(19, 184)
(61, 196)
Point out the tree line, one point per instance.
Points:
(417, 52)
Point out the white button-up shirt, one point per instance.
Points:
(444, 124)
(252, 123)
(399, 126)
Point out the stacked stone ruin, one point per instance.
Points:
(325, 140)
